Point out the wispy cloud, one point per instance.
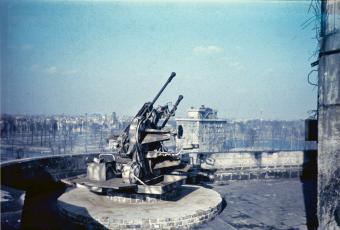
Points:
(51, 70)
(207, 50)
(236, 65)
(54, 70)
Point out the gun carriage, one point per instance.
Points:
(140, 161)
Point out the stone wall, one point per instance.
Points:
(184, 222)
(185, 212)
(256, 165)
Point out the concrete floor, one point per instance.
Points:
(266, 204)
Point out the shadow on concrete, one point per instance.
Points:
(309, 185)
(183, 192)
(11, 207)
(41, 212)
(40, 205)
(223, 206)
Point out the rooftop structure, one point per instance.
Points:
(203, 130)
(202, 113)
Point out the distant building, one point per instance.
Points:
(203, 131)
(114, 118)
(202, 113)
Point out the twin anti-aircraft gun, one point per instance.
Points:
(140, 161)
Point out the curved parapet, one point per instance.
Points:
(28, 173)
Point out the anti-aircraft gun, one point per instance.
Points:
(139, 154)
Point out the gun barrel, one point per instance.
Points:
(180, 97)
(173, 74)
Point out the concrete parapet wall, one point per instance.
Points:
(258, 173)
(258, 165)
(28, 173)
(257, 159)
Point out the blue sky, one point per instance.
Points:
(245, 59)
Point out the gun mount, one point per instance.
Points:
(139, 156)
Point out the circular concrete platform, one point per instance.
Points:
(194, 206)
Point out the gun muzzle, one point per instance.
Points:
(180, 97)
(173, 110)
(173, 74)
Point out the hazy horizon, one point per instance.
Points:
(244, 59)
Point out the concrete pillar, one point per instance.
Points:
(329, 117)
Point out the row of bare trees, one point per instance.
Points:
(260, 134)
(57, 136)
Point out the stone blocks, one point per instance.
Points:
(193, 206)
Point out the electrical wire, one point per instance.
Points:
(308, 77)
